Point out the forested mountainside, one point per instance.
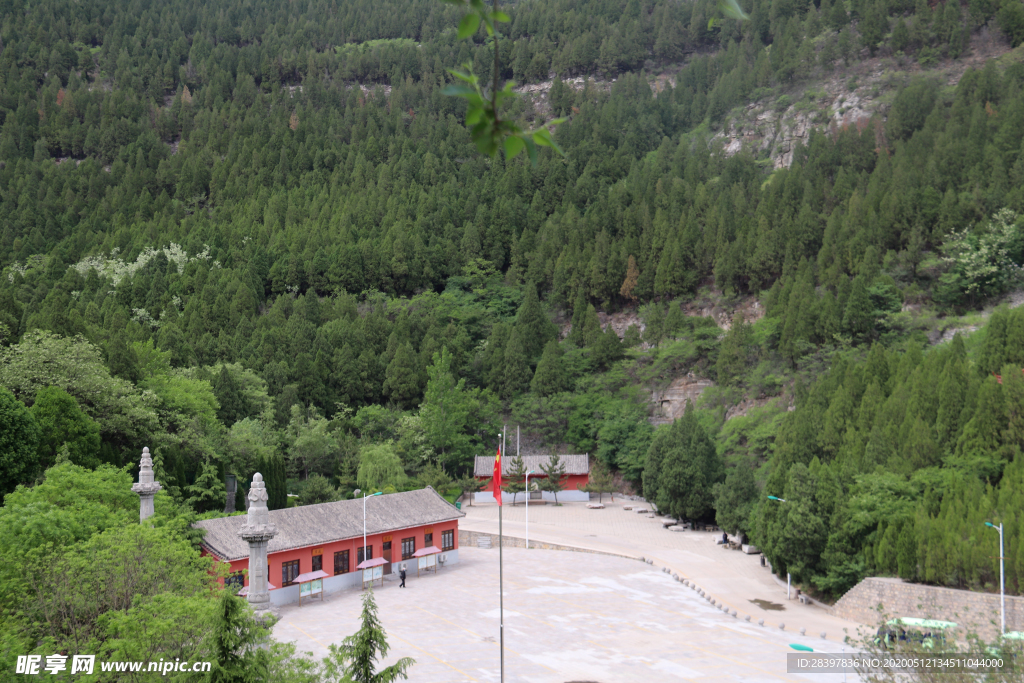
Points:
(258, 237)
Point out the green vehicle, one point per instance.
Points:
(929, 634)
(1013, 640)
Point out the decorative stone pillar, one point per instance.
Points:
(146, 488)
(258, 531)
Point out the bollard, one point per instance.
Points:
(760, 622)
(803, 632)
(782, 627)
(823, 635)
(746, 618)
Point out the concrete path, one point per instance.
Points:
(569, 616)
(729, 576)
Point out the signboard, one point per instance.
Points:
(310, 588)
(427, 561)
(386, 539)
(318, 551)
(372, 574)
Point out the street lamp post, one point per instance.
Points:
(789, 581)
(528, 508)
(368, 495)
(1002, 584)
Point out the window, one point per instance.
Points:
(341, 562)
(428, 540)
(359, 554)
(318, 563)
(448, 540)
(387, 545)
(237, 580)
(408, 547)
(289, 570)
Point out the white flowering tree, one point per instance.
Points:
(981, 261)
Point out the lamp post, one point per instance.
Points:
(1002, 584)
(789, 581)
(368, 495)
(528, 508)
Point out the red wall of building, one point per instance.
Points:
(570, 483)
(305, 555)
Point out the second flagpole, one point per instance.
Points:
(501, 575)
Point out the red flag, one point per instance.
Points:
(496, 478)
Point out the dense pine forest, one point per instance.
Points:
(258, 237)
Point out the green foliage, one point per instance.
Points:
(379, 467)
(19, 439)
(63, 425)
(317, 489)
(600, 481)
(980, 261)
(356, 658)
(514, 481)
(735, 498)
(554, 476)
(237, 637)
(682, 468)
(445, 412)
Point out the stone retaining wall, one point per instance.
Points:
(875, 599)
(470, 538)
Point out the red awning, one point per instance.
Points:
(429, 550)
(375, 562)
(311, 576)
(245, 591)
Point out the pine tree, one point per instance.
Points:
(238, 636)
(533, 324)
(207, 493)
(356, 658)
(554, 479)
(551, 376)
(632, 276)
(600, 481)
(403, 378)
(517, 374)
(859, 316)
(512, 481)
(607, 349)
(732, 355)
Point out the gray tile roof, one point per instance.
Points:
(310, 525)
(574, 464)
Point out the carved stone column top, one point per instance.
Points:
(146, 483)
(257, 525)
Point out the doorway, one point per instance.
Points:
(387, 557)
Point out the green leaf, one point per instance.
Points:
(469, 24)
(456, 90)
(468, 78)
(543, 138)
(473, 115)
(513, 146)
(732, 9)
(557, 121)
(531, 151)
(500, 16)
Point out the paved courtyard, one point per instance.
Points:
(569, 616)
(737, 579)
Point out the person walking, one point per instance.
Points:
(401, 575)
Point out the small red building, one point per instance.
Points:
(329, 537)
(577, 471)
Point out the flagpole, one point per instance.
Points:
(501, 580)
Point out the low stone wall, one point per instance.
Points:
(875, 599)
(470, 539)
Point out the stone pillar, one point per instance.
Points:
(146, 488)
(258, 531)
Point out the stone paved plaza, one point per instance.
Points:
(569, 616)
(728, 575)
